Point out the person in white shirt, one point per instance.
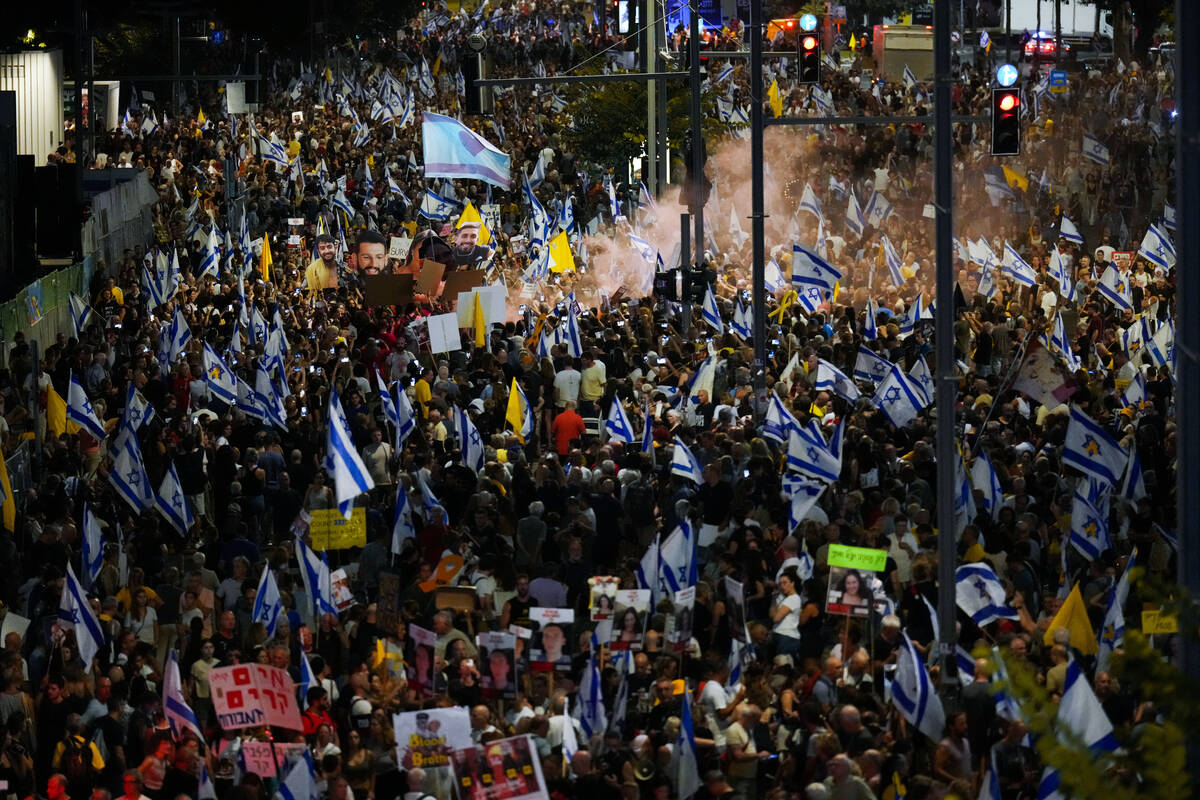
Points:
(566, 386)
(716, 703)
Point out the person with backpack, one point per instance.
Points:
(78, 758)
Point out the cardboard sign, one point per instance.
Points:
(491, 300)
(398, 247)
(296, 222)
(425, 738)
(332, 531)
(294, 241)
(235, 97)
(1123, 259)
(462, 280)
(517, 245)
(507, 769)
(250, 695)
(443, 333)
(841, 555)
(387, 290)
(259, 759)
(298, 117)
(1155, 621)
(429, 281)
(490, 213)
(343, 598)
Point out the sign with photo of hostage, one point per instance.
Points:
(497, 664)
(420, 671)
(602, 598)
(849, 592)
(506, 769)
(735, 603)
(551, 638)
(685, 607)
(629, 619)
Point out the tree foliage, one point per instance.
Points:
(1151, 761)
(609, 120)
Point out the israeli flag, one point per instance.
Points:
(314, 570)
(1080, 716)
(984, 39)
(431, 507)
(1115, 288)
(910, 80)
(983, 477)
(870, 366)
(402, 522)
(388, 404)
(591, 713)
(81, 412)
(870, 323)
(81, 312)
(425, 79)
(1112, 629)
(1057, 269)
(618, 426)
(684, 463)
(573, 341)
(1089, 526)
(307, 679)
(832, 379)
(1157, 247)
(774, 279)
(712, 312)
(452, 150)
(684, 767)
(621, 702)
(726, 72)
(802, 495)
(300, 783)
(913, 693)
(899, 398)
(91, 547)
(648, 434)
(1161, 346)
(172, 504)
(892, 259)
(1169, 216)
(1068, 231)
(677, 559)
(922, 378)
(267, 602)
(437, 208)
(75, 612)
(350, 476)
(810, 203)
(207, 790)
(470, 443)
(218, 377)
(778, 421)
(179, 714)
(809, 269)
(1017, 268)
(1089, 449)
(808, 453)
(210, 262)
(980, 594)
(1133, 485)
(647, 571)
(878, 209)
(128, 477)
(856, 223)
(1094, 149)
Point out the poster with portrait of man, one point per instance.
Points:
(506, 769)
(427, 739)
(735, 608)
(371, 254)
(468, 253)
(630, 611)
(497, 664)
(602, 596)
(683, 614)
(420, 671)
(552, 637)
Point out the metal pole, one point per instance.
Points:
(1007, 31)
(80, 57)
(650, 64)
(660, 38)
(1057, 32)
(947, 389)
(39, 416)
(1187, 332)
(685, 259)
(757, 212)
(176, 85)
(697, 165)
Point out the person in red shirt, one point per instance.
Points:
(317, 711)
(567, 426)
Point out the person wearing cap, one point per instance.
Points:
(322, 273)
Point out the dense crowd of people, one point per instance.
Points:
(649, 555)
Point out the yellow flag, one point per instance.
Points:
(514, 414)
(201, 119)
(561, 259)
(477, 322)
(470, 215)
(1074, 617)
(853, 43)
(775, 98)
(328, 75)
(9, 508)
(1014, 178)
(264, 259)
(437, 64)
(56, 412)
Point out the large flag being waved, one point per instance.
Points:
(677, 559)
(318, 583)
(899, 398)
(267, 602)
(1073, 616)
(809, 269)
(617, 426)
(128, 477)
(1080, 717)
(1089, 525)
(172, 503)
(1115, 289)
(685, 767)
(684, 463)
(74, 611)
(179, 714)
(980, 594)
(1089, 449)
(913, 693)
(592, 716)
(809, 454)
(452, 150)
(350, 476)
(469, 441)
(832, 379)
(219, 377)
(870, 366)
(518, 413)
(402, 522)
(91, 547)
(80, 411)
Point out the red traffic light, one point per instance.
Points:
(810, 43)
(1008, 102)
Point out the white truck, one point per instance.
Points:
(1080, 20)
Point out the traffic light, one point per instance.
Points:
(810, 58)
(1006, 122)
(479, 99)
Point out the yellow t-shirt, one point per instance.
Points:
(319, 277)
(125, 599)
(424, 395)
